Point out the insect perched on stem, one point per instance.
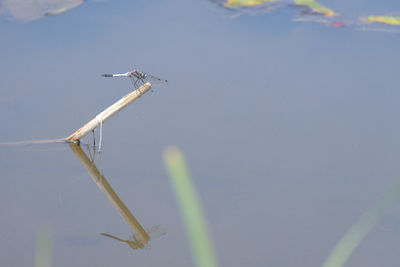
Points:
(138, 78)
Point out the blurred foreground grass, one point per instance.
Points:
(359, 230)
(191, 210)
(44, 247)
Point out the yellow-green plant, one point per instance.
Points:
(190, 208)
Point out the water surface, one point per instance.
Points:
(290, 131)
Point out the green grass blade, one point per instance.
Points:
(44, 248)
(190, 208)
(362, 227)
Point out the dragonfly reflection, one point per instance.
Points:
(134, 242)
(141, 237)
(138, 77)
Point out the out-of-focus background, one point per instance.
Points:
(290, 131)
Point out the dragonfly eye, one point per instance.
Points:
(144, 75)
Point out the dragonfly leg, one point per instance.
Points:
(91, 157)
(94, 138)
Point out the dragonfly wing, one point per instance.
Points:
(155, 80)
(156, 231)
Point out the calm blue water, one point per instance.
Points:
(290, 130)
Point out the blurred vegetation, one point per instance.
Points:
(191, 210)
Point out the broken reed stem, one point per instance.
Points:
(109, 112)
(103, 184)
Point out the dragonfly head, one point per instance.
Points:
(140, 75)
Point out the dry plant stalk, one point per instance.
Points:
(103, 184)
(109, 112)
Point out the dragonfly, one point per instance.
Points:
(138, 78)
(135, 243)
